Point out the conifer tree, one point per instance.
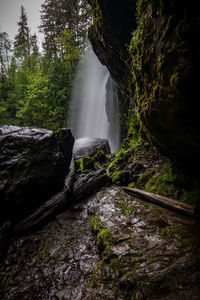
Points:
(5, 49)
(22, 41)
(34, 44)
(59, 15)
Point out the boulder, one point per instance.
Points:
(87, 146)
(33, 166)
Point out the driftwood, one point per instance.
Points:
(165, 202)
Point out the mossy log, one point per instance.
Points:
(165, 202)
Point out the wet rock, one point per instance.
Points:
(33, 166)
(153, 262)
(141, 261)
(62, 258)
(87, 146)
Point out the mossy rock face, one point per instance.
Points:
(159, 72)
(166, 77)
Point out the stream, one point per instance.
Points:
(109, 246)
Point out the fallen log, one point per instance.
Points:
(165, 202)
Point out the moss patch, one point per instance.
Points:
(104, 235)
(96, 223)
(87, 164)
(174, 231)
(105, 238)
(43, 251)
(120, 177)
(127, 210)
(168, 181)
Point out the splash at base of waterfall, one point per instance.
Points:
(94, 111)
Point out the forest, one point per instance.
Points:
(35, 83)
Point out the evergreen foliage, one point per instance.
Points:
(58, 16)
(22, 42)
(35, 87)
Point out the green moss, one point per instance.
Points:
(97, 12)
(174, 79)
(139, 8)
(115, 169)
(96, 223)
(144, 178)
(43, 251)
(101, 194)
(105, 238)
(174, 231)
(87, 164)
(120, 177)
(114, 165)
(104, 235)
(131, 185)
(161, 182)
(127, 210)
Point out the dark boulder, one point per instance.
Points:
(33, 166)
(87, 146)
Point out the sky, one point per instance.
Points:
(10, 13)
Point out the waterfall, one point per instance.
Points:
(93, 105)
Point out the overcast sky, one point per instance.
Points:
(10, 13)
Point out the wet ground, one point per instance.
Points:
(111, 246)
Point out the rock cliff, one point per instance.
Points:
(152, 50)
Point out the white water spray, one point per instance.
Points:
(89, 104)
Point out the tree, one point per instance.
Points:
(8, 97)
(59, 15)
(50, 25)
(34, 45)
(59, 86)
(34, 107)
(5, 61)
(22, 39)
(68, 50)
(5, 53)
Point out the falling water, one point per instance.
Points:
(91, 102)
